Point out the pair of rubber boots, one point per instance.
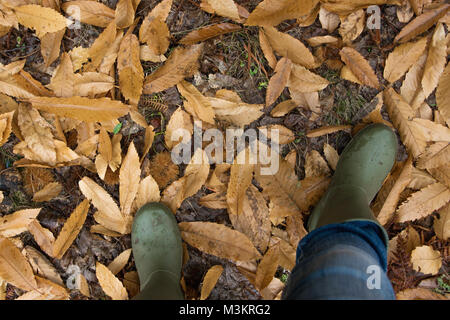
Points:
(360, 172)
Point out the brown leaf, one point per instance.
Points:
(124, 14)
(283, 108)
(306, 81)
(352, 26)
(390, 204)
(130, 174)
(181, 63)
(443, 95)
(326, 130)
(421, 23)
(17, 222)
(100, 47)
(85, 109)
(422, 203)
(331, 155)
(70, 230)
(279, 80)
(320, 40)
(43, 237)
(148, 191)
(441, 225)
(241, 175)
(218, 240)
(209, 32)
(345, 7)
(411, 89)
(42, 266)
(236, 112)
(426, 260)
(89, 84)
(360, 67)
(108, 213)
(7, 125)
(253, 221)
(405, 12)
(119, 262)
(401, 114)
(131, 73)
(37, 134)
(14, 268)
(225, 8)
(109, 283)
(210, 280)
(48, 192)
(267, 49)
(329, 21)
(270, 13)
(315, 165)
(437, 57)
(267, 267)
(196, 104)
(51, 45)
(179, 119)
(419, 294)
(283, 135)
(437, 154)
(40, 19)
(90, 12)
(290, 47)
(402, 58)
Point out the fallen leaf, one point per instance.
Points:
(360, 67)
(421, 23)
(423, 202)
(225, 8)
(320, 40)
(315, 165)
(179, 120)
(283, 135)
(130, 174)
(267, 267)
(352, 26)
(267, 49)
(290, 47)
(14, 268)
(181, 63)
(443, 95)
(306, 81)
(283, 108)
(329, 21)
(90, 12)
(17, 222)
(124, 14)
(326, 130)
(48, 192)
(279, 80)
(196, 104)
(109, 283)
(85, 109)
(43, 237)
(331, 155)
(210, 280)
(90, 84)
(42, 20)
(218, 240)
(405, 12)
(119, 262)
(436, 155)
(402, 58)
(148, 191)
(42, 266)
(419, 294)
(426, 260)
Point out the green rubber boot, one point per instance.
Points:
(360, 172)
(157, 252)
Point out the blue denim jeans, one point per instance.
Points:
(341, 261)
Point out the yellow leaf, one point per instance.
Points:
(225, 8)
(443, 95)
(306, 81)
(352, 26)
(267, 267)
(90, 12)
(210, 280)
(326, 130)
(426, 260)
(241, 175)
(290, 47)
(85, 109)
(109, 283)
(253, 221)
(360, 67)
(14, 268)
(279, 80)
(48, 192)
(401, 114)
(218, 240)
(131, 74)
(270, 13)
(43, 237)
(119, 262)
(109, 213)
(70, 230)
(329, 21)
(402, 58)
(179, 119)
(437, 57)
(159, 12)
(422, 203)
(196, 104)
(37, 134)
(130, 174)
(101, 46)
(148, 191)
(182, 63)
(124, 13)
(17, 222)
(421, 23)
(40, 19)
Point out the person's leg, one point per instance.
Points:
(158, 254)
(341, 261)
(344, 255)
